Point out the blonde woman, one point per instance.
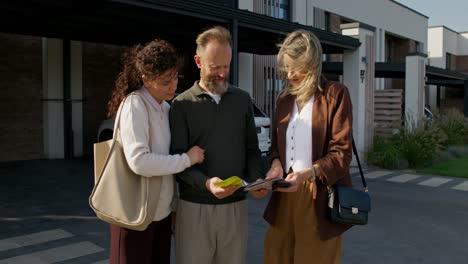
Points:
(311, 147)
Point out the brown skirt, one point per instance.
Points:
(151, 246)
(295, 237)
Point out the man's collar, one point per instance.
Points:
(197, 90)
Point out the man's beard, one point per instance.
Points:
(216, 88)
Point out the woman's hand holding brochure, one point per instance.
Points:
(268, 184)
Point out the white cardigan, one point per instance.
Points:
(148, 154)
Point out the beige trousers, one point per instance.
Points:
(211, 234)
(294, 239)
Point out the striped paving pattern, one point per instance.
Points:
(403, 178)
(435, 182)
(462, 186)
(102, 262)
(376, 174)
(55, 255)
(33, 239)
(50, 255)
(423, 180)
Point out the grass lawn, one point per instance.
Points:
(454, 168)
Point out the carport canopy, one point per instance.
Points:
(135, 21)
(434, 76)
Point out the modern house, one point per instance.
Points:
(390, 34)
(57, 70)
(448, 50)
(59, 64)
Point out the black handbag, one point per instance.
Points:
(348, 205)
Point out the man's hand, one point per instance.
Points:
(259, 193)
(220, 192)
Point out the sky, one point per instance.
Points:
(450, 13)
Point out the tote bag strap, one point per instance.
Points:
(117, 117)
(114, 137)
(116, 131)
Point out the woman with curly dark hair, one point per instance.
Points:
(147, 80)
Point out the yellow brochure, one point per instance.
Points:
(234, 180)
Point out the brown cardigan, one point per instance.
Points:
(331, 148)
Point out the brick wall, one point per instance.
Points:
(411, 46)
(21, 136)
(101, 64)
(334, 23)
(400, 49)
(454, 96)
(453, 99)
(394, 83)
(462, 63)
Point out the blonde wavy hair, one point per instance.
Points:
(305, 51)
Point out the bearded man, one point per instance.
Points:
(211, 224)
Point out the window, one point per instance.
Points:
(419, 47)
(448, 61)
(327, 21)
(284, 9)
(276, 8)
(389, 49)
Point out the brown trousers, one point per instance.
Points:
(150, 246)
(294, 239)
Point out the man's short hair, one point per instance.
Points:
(218, 33)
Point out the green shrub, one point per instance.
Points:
(454, 126)
(418, 147)
(421, 146)
(384, 153)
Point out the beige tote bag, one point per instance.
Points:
(120, 196)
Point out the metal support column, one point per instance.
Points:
(465, 98)
(234, 76)
(438, 96)
(67, 107)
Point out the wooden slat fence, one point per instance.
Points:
(388, 111)
(266, 85)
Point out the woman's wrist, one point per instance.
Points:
(277, 170)
(314, 173)
(275, 164)
(310, 174)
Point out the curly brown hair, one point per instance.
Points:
(150, 60)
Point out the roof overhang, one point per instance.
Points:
(434, 75)
(136, 21)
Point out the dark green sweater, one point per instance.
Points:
(227, 133)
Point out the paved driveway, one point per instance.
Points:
(45, 218)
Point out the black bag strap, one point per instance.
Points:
(359, 165)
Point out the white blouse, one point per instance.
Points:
(299, 138)
(146, 144)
